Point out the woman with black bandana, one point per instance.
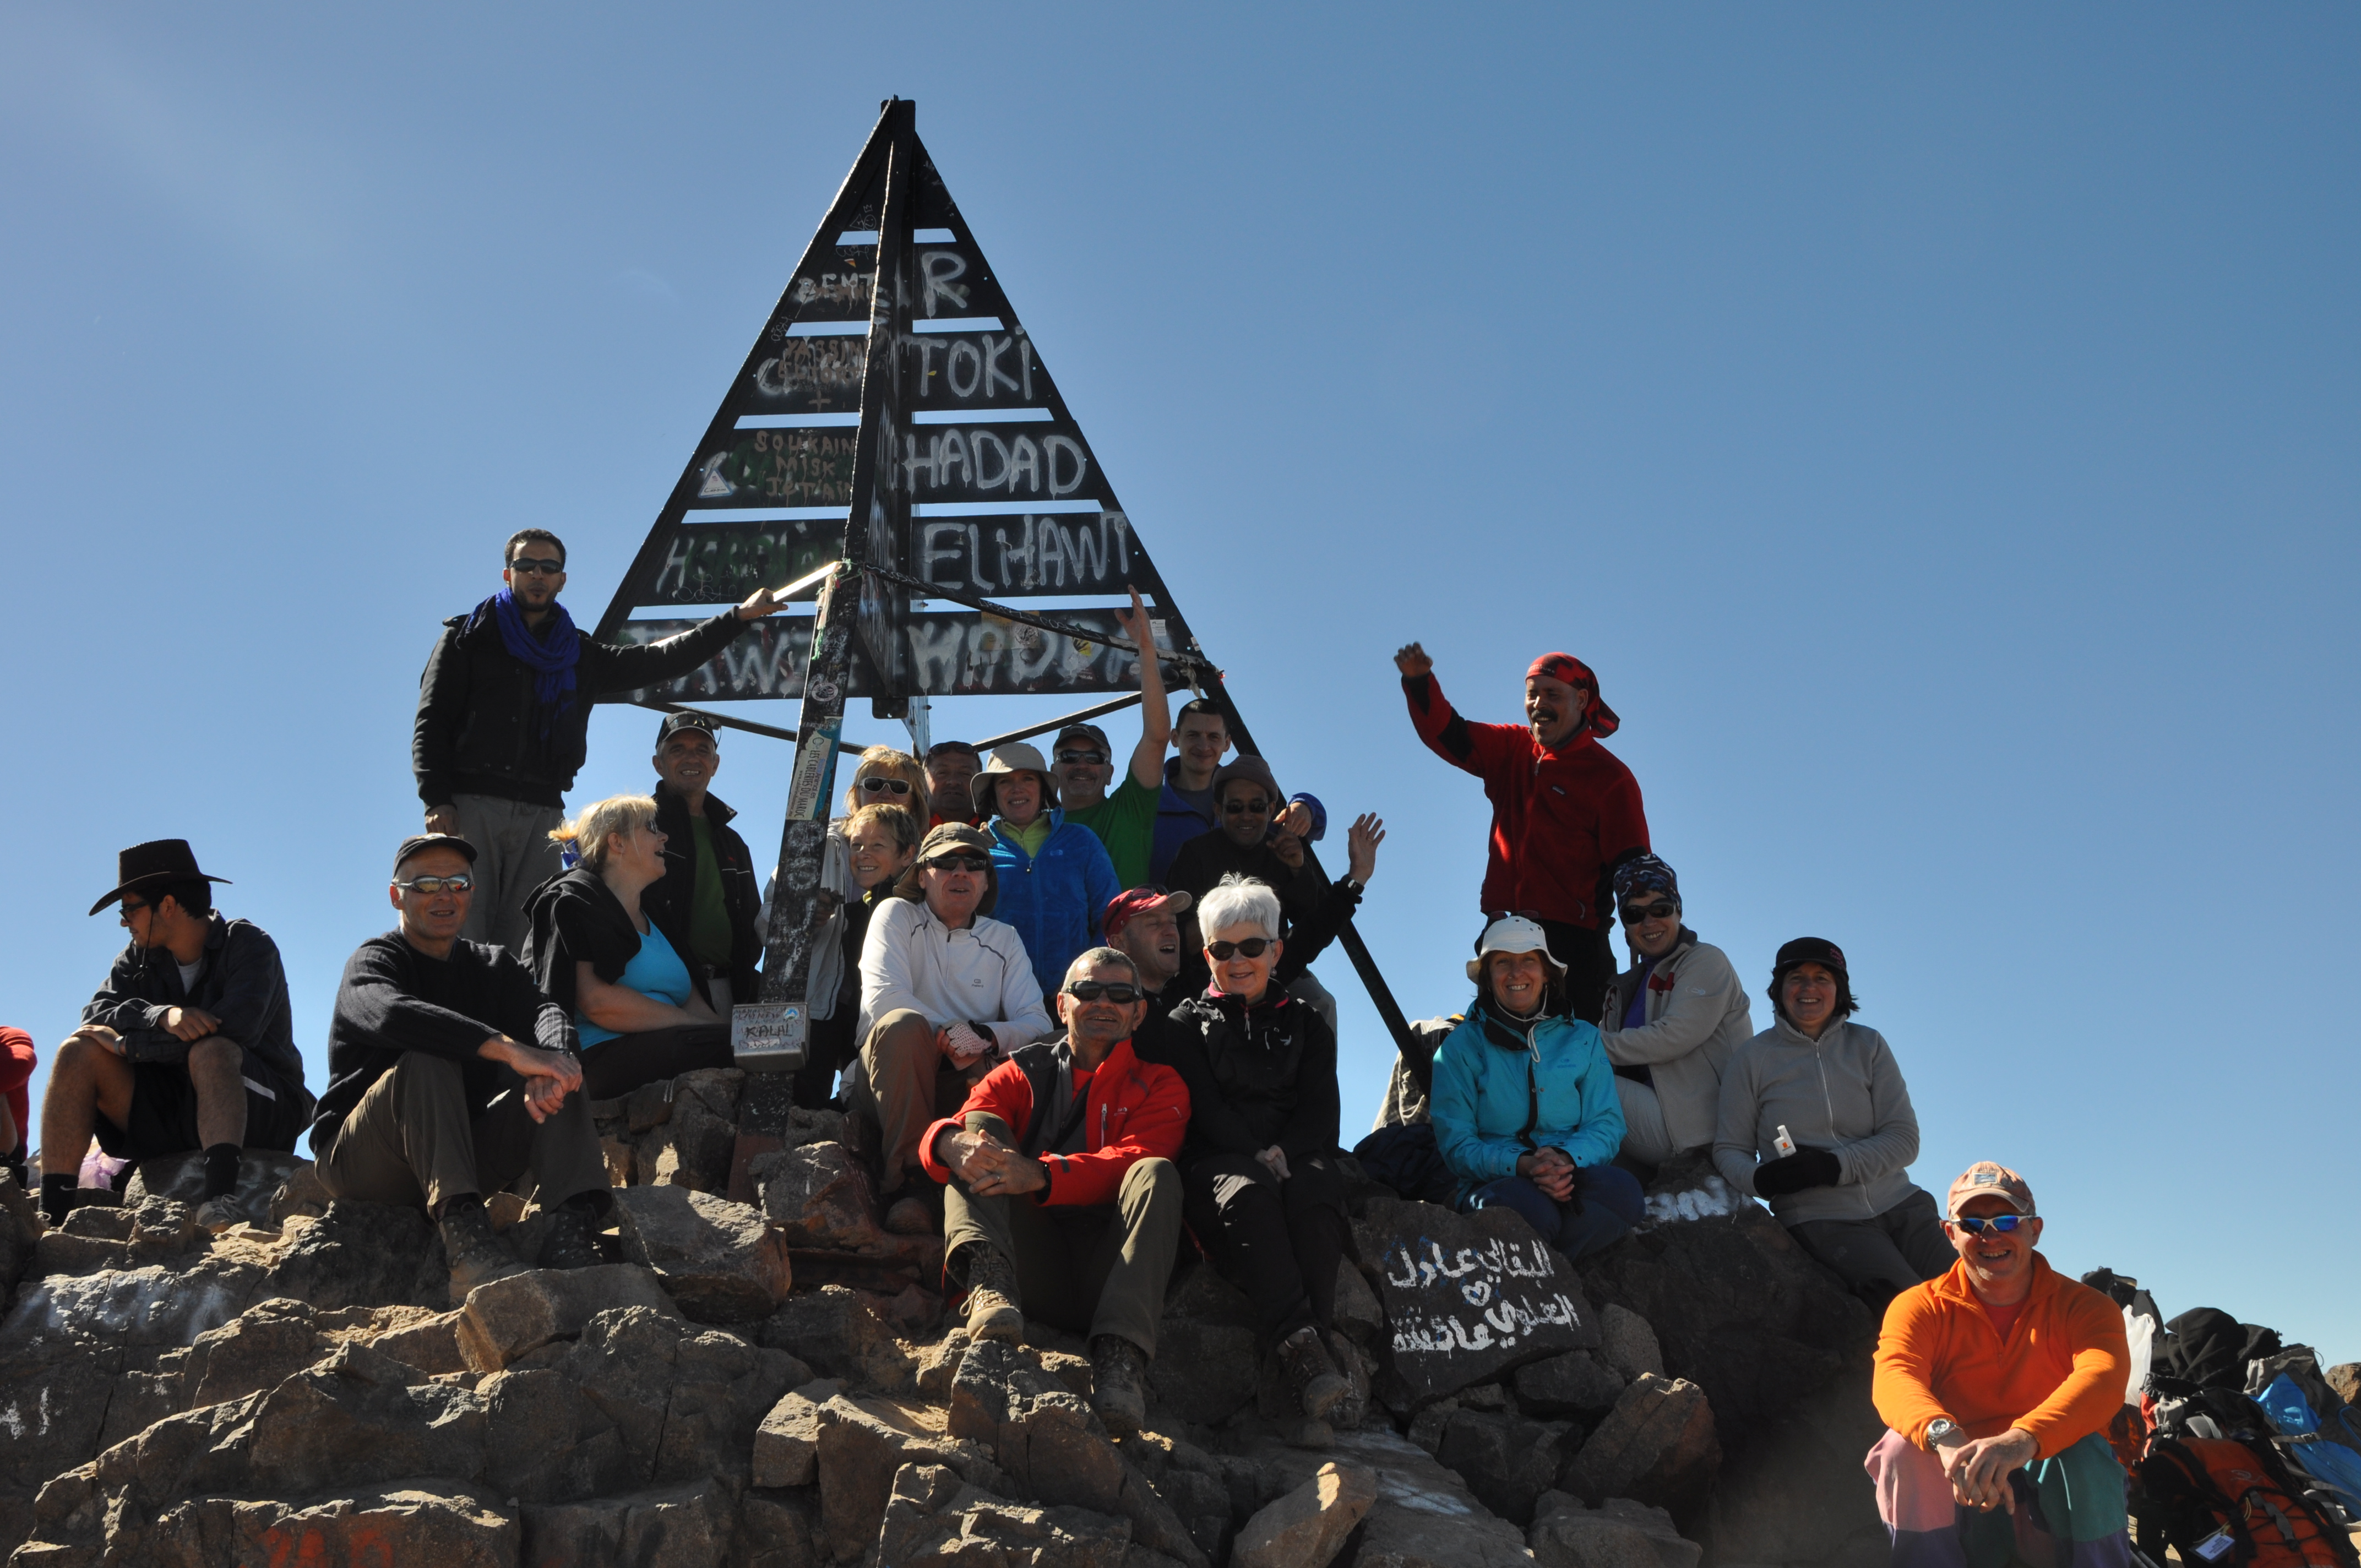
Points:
(1672, 1020)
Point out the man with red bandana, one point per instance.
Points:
(1565, 810)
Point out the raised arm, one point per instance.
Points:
(1155, 712)
(1479, 749)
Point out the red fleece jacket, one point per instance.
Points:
(16, 1063)
(1133, 1109)
(1560, 815)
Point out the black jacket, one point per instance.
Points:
(243, 985)
(1256, 1076)
(575, 919)
(670, 900)
(478, 731)
(1206, 859)
(394, 999)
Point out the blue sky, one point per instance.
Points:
(1939, 428)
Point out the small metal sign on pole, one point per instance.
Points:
(895, 434)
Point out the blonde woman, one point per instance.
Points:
(594, 951)
(887, 777)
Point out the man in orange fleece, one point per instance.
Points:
(1997, 1381)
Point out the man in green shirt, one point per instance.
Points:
(709, 901)
(1081, 761)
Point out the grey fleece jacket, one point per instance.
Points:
(1842, 1093)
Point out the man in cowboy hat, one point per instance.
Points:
(946, 993)
(1055, 876)
(188, 1045)
(1564, 812)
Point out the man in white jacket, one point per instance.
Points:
(944, 994)
(1672, 1020)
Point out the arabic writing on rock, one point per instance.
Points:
(1506, 1285)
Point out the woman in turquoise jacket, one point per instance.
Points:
(1524, 1105)
(1054, 877)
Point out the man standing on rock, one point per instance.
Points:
(1564, 811)
(1062, 1198)
(451, 1075)
(190, 1044)
(1997, 1382)
(504, 719)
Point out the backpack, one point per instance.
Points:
(2226, 1504)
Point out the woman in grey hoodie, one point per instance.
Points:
(1818, 1100)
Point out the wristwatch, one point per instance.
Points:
(1945, 1432)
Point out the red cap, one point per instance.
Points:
(1136, 901)
(1575, 672)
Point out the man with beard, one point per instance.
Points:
(504, 715)
(1564, 811)
(707, 903)
(1997, 1439)
(188, 1045)
(1061, 1197)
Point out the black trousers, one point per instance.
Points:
(1589, 966)
(612, 1069)
(1279, 1242)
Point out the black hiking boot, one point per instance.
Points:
(475, 1252)
(572, 1241)
(1311, 1373)
(1118, 1384)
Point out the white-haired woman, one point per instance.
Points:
(596, 953)
(1258, 1175)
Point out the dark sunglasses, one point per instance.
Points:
(1080, 759)
(884, 786)
(2004, 1223)
(961, 863)
(547, 567)
(431, 885)
(1092, 990)
(1664, 909)
(1258, 807)
(131, 908)
(1253, 947)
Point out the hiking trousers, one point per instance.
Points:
(1279, 1242)
(2075, 1500)
(411, 1140)
(905, 1083)
(612, 1069)
(1611, 1205)
(1097, 1268)
(1886, 1252)
(514, 856)
(1589, 966)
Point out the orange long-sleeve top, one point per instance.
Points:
(2059, 1374)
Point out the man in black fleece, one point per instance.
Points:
(451, 1075)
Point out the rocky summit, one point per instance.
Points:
(766, 1381)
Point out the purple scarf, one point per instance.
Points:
(551, 658)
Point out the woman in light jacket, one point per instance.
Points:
(1818, 1101)
(1525, 1106)
(1673, 1020)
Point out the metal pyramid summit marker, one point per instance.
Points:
(895, 422)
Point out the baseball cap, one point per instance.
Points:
(1808, 950)
(944, 748)
(417, 841)
(1986, 1179)
(1090, 732)
(673, 721)
(1511, 934)
(1127, 905)
(952, 836)
(1252, 769)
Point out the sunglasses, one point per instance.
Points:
(1253, 947)
(1082, 758)
(1092, 990)
(1662, 910)
(1258, 807)
(547, 567)
(131, 908)
(2004, 1223)
(961, 863)
(431, 885)
(884, 786)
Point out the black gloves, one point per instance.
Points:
(1808, 1167)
